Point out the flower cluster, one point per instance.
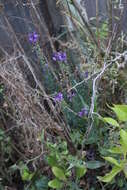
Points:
(58, 97)
(33, 37)
(83, 112)
(59, 56)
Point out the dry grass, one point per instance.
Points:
(26, 109)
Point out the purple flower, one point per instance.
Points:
(59, 56)
(86, 74)
(58, 97)
(33, 37)
(83, 112)
(70, 95)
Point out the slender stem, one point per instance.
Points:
(97, 23)
(87, 25)
(110, 7)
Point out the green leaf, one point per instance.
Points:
(52, 161)
(80, 171)
(94, 164)
(55, 184)
(111, 121)
(108, 177)
(123, 140)
(59, 173)
(68, 173)
(41, 183)
(116, 150)
(121, 112)
(112, 160)
(125, 170)
(26, 176)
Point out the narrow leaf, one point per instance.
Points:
(111, 121)
(125, 170)
(112, 160)
(108, 177)
(116, 150)
(123, 140)
(121, 112)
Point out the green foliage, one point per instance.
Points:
(108, 177)
(80, 171)
(103, 30)
(107, 142)
(55, 184)
(32, 180)
(39, 183)
(25, 173)
(59, 173)
(62, 164)
(119, 164)
(111, 121)
(5, 145)
(94, 164)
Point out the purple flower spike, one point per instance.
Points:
(83, 112)
(62, 56)
(86, 74)
(33, 37)
(59, 56)
(58, 97)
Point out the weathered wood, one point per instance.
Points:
(18, 19)
(21, 19)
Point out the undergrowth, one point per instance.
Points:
(63, 118)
